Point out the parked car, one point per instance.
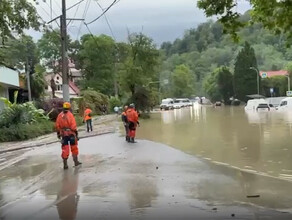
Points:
(257, 105)
(286, 104)
(166, 104)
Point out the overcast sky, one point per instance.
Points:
(163, 20)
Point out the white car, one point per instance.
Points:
(166, 104)
(258, 105)
(286, 104)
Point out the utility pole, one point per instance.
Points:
(258, 78)
(63, 21)
(28, 79)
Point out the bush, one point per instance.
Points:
(19, 132)
(113, 102)
(94, 100)
(52, 106)
(21, 114)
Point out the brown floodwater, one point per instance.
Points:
(256, 142)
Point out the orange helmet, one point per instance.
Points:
(66, 105)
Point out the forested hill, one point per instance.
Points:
(205, 48)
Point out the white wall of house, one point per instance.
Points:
(3, 93)
(59, 91)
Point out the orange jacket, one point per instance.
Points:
(132, 115)
(87, 113)
(66, 124)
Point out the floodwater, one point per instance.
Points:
(254, 142)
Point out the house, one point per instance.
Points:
(74, 74)
(273, 73)
(73, 89)
(9, 82)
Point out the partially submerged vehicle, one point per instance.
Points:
(257, 105)
(286, 104)
(167, 104)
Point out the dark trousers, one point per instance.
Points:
(89, 125)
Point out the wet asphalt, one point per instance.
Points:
(145, 180)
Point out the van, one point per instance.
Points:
(166, 104)
(179, 103)
(257, 105)
(285, 104)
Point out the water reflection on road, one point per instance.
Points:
(227, 135)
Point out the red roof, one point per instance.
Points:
(275, 73)
(74, 87)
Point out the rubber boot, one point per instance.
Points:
(127, 138)
(65, 164)
(76, 162)
(133, 140)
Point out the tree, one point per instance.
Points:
(219, 85)
(245, 79)
(182, 82)
(140, 68)
(38, 82)
(49, 48)
(273, 15)
(97, 57)
(15, 16)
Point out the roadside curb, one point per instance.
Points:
(51, 142)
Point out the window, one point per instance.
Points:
(283, 103)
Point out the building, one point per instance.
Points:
(9, 82)
(74, 74)
(73, 89)
(274, 73)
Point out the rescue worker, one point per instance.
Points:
(87, 118)
(132, 117)
(125, 122)
(67, 130)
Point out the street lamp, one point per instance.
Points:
(258, 78)
(288, 76)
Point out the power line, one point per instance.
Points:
(107, 21)
(78, 3)
(114, 2)
(84, 15)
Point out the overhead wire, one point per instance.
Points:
(108, 8)
(107, 21)
(78, 3)
(83, 17)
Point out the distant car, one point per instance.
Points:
(166, 104)
(286, 104)
(178, 104)
(183, 102)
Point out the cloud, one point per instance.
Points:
(163, 20)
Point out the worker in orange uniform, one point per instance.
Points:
(87, 118)
(132, 117)
(67, 130)
(125, 122)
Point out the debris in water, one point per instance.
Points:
(232, 215)
(253, 196)
(172, 195)
(214, 209)
(156, 168)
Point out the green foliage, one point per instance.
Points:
(20, 132)
(38, 82)
(141, 65)
(15, 16)
(279, 83)
(113, 102)
(245, 79)
(94, 100)
(182, 82)
(219, 85)
(97, 60)
(262, 12)
(141, 98)
(21, 114)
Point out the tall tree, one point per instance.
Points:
(97, 56)
(15, 16)
(182, 85)
(219, 85)
(274, 15)
(141, 65)
(245, 78)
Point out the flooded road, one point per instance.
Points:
(254, 142)
(146, 180)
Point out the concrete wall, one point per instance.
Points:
(9, 76)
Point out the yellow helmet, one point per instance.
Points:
(66, 105)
